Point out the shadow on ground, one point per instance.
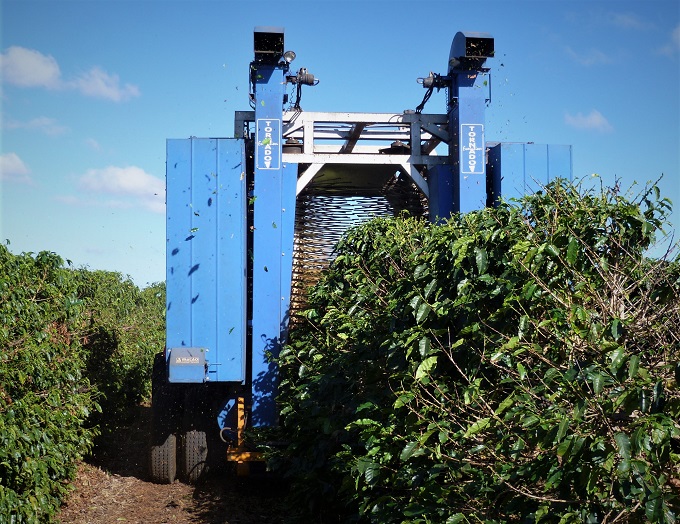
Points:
(219, 497)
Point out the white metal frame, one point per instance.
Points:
(358, 138)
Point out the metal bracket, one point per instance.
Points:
(239, 453)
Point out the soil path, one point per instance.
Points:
(113, 487)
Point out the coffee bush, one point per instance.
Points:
(76, 348)
(514, 364)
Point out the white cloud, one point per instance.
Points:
(93, 144)
(628, 21)
(673, 46)
(589, 58)
(592, 121)
(136, 186)
(13, 169)
(43, 124)
(30, 68)
(97, 83)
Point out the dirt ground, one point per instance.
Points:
(113, 487)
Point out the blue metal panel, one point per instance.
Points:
(206, 252)
(178, 253)
(518, 169)
(288, 200)
(467, 105)
(273, 218)
(467, 117)
(560, 162)
(440, 182)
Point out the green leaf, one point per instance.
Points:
(414, 509)
(424, 347)
(633, 364)
(529, 290)
(505, 404)
(365, 422)
(403, 400)
(562, 429)
(623, 442)
(416, 302)
(659, 396)
(408, 451)
(598, 383)
(421, 271)
(563, 448)
(616, 329)
(572, 251)
(430, 288)
(552, 250)
(425, 436)
(617, 357)
(654, 508)
(423, 311)
(476, 427)
(372, 472)
(425, 366)
(511, 343)
(481, 258)
(521, 370)
(529, 421)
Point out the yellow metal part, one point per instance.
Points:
(239, 453)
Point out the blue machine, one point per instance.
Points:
(252, 220)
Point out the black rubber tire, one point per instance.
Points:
(164, 461)
(165, 415)
(194, 455)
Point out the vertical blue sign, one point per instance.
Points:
(268, 143)
(472, 157)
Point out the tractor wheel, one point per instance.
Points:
(165, 411)
(194, 455)
(164, 461)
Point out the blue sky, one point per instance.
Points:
(91, 90)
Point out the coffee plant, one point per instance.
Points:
(514, 364)
(124, 328)
(75, 353)
(44, 397)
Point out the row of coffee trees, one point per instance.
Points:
(516, 364)
(76, 348)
